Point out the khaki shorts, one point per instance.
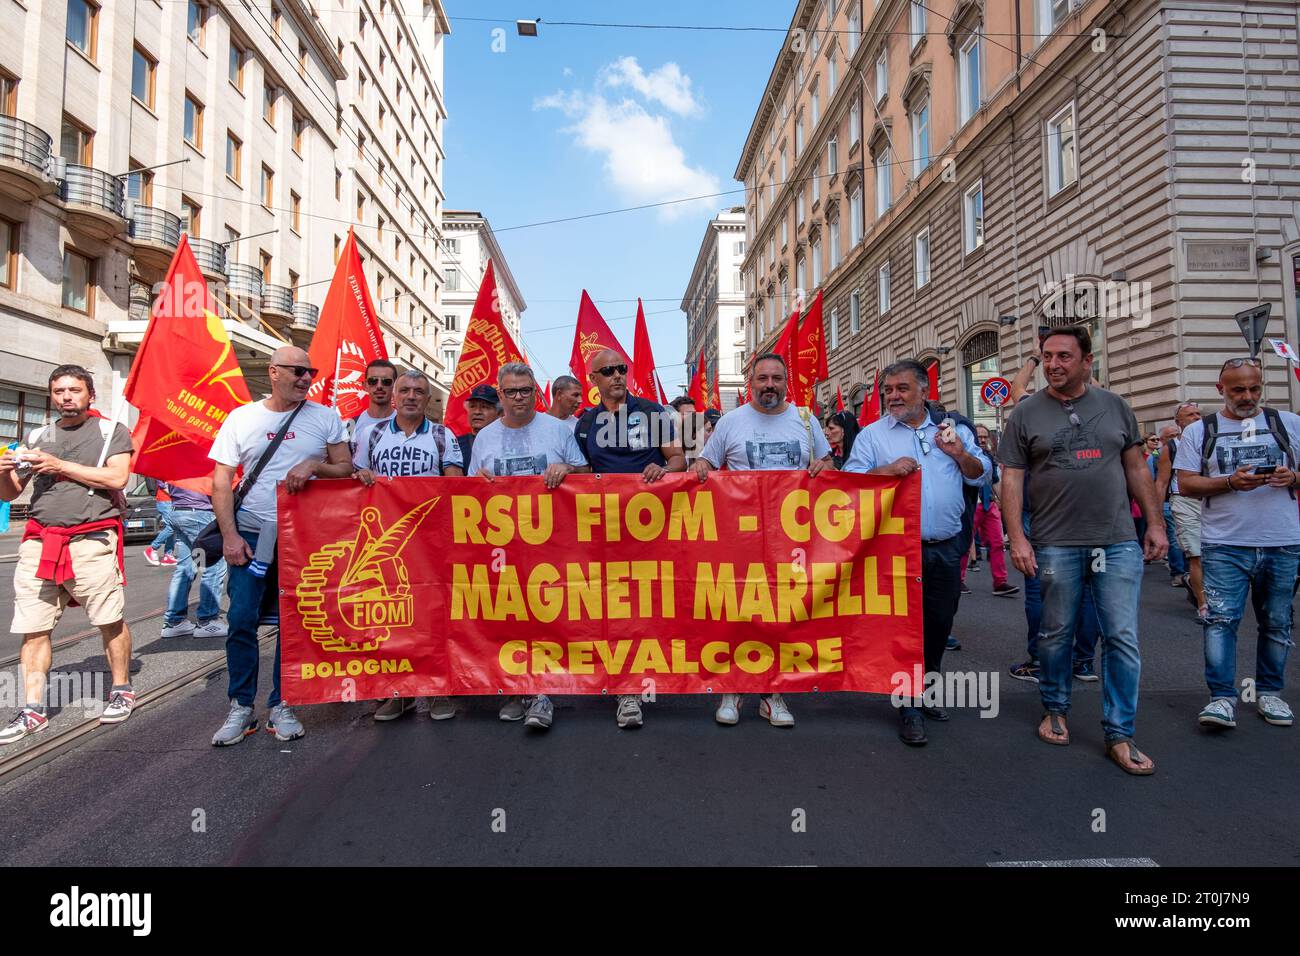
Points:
(38, 604)
(1186, 513)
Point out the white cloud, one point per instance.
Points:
(667, 85)
(567, 71)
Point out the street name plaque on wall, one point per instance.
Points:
(1218, 256)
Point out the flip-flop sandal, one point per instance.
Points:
(1057, 725)
(1134, 755)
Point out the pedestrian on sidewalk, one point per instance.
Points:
(71, 551)
(159, 551)
(1241, 462)
(191, 513)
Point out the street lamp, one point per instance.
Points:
(527, 28)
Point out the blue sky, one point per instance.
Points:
(583, 120)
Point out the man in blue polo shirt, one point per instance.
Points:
(626, 435)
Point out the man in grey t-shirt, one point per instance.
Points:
(1082, 446)
(1250, 536)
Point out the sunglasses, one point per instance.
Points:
(525, 392)
(1074, 416)
(1239, 362)
(925, 445)
(299, 370)
(374, 380)
(609, 370)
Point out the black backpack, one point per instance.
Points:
(1275, 428)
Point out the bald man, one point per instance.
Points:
(314, 445)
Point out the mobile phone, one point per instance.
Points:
(1264, 469)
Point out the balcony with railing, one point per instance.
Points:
(154, 234)
(211, 257)
(305, 317)
(244, 282)
(93, 199)
(277, 301)
(138, 302)
(25, 152)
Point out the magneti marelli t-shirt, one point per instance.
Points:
(1263, 517)
(1081, 494)
(64, 503)
(750, 440)
(528, 450)
(398, 455)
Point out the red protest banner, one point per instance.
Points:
(756, 581)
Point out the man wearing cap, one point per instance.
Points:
(481, 408)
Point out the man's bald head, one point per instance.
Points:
(286, 385)
(289, 355)
(612, 387)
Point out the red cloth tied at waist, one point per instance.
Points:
(56, 555)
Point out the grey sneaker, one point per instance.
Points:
(1274, 710)
(284, 724)
(181, 628)
(27, 722)
(540, 713)
(441, 708)
(393, 708)
(512, 709)
(1220, 712)
(629, 710)
(239, 724)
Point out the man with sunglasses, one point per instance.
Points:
(381, 375)
(314, 446)
(523, 442)
(626, 435)
(1241, 462)
(1083, 449)
(908, 439)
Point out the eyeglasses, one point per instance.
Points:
(920, 436)
(1239, 362)
(609, 370)
(1074, 416)
(374, 380)
(298, 370)
(525, 392)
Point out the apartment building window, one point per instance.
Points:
(265, 258)
(76, 143)
(268, 186)
(798, 207)
(855, 125)
(83, 26)
(855, 30)
(8, 94)
(234, 157)
(833, 227)
(269, 94)
(738, 248)
(139, 183)
(817, 182)
(235, 68)
(196, 24)
(383, 115)
(917, 23)
(882, 287)
(8, 254)
(855, 217)
(968, 78)
(921, 257)
(277, 19)
(361, 207)
(785, 230)
(882, 75)
(453, 246)
(1050, 14)
(191, 216)
(302, 58)
(143, 72)
(397, 249)
(737, 281)
(785, 297)
(833, 340)
(193, 121)
(397, 145)
(785, 172)
(361, 146)
(1062, 167)
(379, 228)
(798, 137)
(771, 250)
(293, 285)
(78, 281)
(814, 104)
(361, 26)
(451, 278)
(921, 138)
(815, 253)
(855, 312)
(295, 212)
(832, 156)
(884, 182)
(973, 217)
(299, 129)
(361, 86)
(452, 322)
(831, 71)
(801, 277)
(337, 243)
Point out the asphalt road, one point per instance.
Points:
(837, 789)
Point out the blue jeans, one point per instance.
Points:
(1065, 574)
(250, 597)
(1269, 574)
(165, 537)
(187, 526)
(1177, 560)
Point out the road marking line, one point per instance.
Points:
(1114, 861)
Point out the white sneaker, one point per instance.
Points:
(728, 709)
(1221, 712)
(1274, 710)
(629, 710)
(774, 709)
(181, 628)
(282, 722)
(214, 628)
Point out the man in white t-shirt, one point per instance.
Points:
(768, 434)
(566, 399)
(381, 375)
(522, 442)
(315, 446)
(1241, 462)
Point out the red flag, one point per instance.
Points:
(185, 378)
(698, 387)
(740, 398)
(816, 408)
(590, 335)
(839, 400)
(715, 394)
(546, 396)
(347, 338)
(809, 355)
(487, 346)
(164, 453)
(933, 373)
(871, 407)
(785, 347)
(643, 382)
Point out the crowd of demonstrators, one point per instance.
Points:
(1185, 511)
(566, 399)
(524, 441)
(629, 435)
(191, 513)
(768, 434)
(1241, 461)
(72, 547)
(906, 440)
(1081, 448)
(282, 438)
